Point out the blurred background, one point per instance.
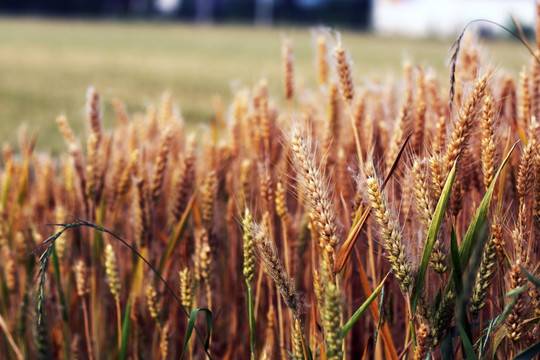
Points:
(51, 51)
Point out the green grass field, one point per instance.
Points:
(46, 66)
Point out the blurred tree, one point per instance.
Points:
(353, 13)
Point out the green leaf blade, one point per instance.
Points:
(438, 217)
(125, 331)
(191, 326)
(362, 309)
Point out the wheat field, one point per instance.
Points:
(47, 65)
(391, 218)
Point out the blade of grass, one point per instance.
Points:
(467, 346)
(45, 257)
(125, 331)
(362, 309)
(191, 326)
(490, 328)
(438, 217)
(251, 319)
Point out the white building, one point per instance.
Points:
(446, 18)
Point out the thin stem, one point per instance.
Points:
(119, 320)
(251, 320)
(285, 245)
(258, 291)
(87, 331)
(411, 334)
(356, 138)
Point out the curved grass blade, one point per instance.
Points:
(191, 326)
(44, 260)
(456, 47)
(125, 331)
(479, 221)
(362, 309)
(529, 353)
(438, 216)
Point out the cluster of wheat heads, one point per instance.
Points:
(340, 222)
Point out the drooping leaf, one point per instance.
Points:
(191, 326)
(46, 255)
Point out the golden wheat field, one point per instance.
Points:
(399, 220)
